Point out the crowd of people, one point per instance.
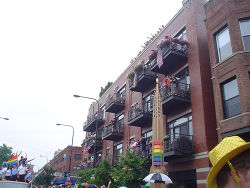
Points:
(20, 170)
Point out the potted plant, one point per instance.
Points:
(167, 137)
(130, 77)
(138, 68)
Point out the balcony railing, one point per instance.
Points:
(145, 79)
(178, 146)
(115, 103)
(173, 55)
(113, 131)
(91, 143)
(140, 114)
(90, 124)
(174, 96)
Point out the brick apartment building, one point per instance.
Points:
(228, 31)
(59, 165)
(196, 113)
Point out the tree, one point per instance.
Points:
(5, 153)
(103, 173)
(105, 88)
(45, 178)
(85, 176)
(131, 171)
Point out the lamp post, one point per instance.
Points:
(78, 96)
(4, 118)
(46, 157)
(72, 142)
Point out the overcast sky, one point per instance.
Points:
(52, 49)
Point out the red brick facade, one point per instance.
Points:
(59, 165)
(220, 14)
(205, 106)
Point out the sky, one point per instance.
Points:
(53, 49)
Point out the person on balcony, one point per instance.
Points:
(133, 145)
(143, 143)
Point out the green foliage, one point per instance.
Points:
(105, 88)
(131, 171)
(43, 179)
(85, 176)
(102, 173)
(5, 153)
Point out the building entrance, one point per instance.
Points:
(183, 179)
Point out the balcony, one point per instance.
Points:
(113, 131)
(90, 124)
(178, 146)
(174, 96)
(91, 143)
(141, 114)
(115, 103)
(173, 55)
(145, 79)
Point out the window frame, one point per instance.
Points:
(219, 60)
(243, 20)
(225, 115)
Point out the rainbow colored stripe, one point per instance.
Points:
(135, 80)
(30, 182)
(12, 160)
(76, 186)
(158, 153)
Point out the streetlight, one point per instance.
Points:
(4, 118)
(78, 96)
(46, 157)
(72, 141)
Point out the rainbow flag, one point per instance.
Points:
(76, 186)
(158, 153)
(30, 183)
(12, 160)
(65, 156)
(135, 80)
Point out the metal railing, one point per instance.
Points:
(145, 107)
(116, 97)
(175, 89)
(92, 119)
(113, 127)
(145, 70)
(172, 46)
(182, 143)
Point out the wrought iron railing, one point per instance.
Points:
(175, 89)
(113, 127)
(116, 97)
(182, 143)
(92, 119)
(145, 107)
(172, 46)
(145, 70)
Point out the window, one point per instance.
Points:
(181, 126)
(107, 153)
(183, 79)
(182, 34)
(148, 103)
(231, 98)
(120, 123)
(77, 157)
(117, 152)
(121, 94)
(245, 33)
(102, 112)
(223, 43)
